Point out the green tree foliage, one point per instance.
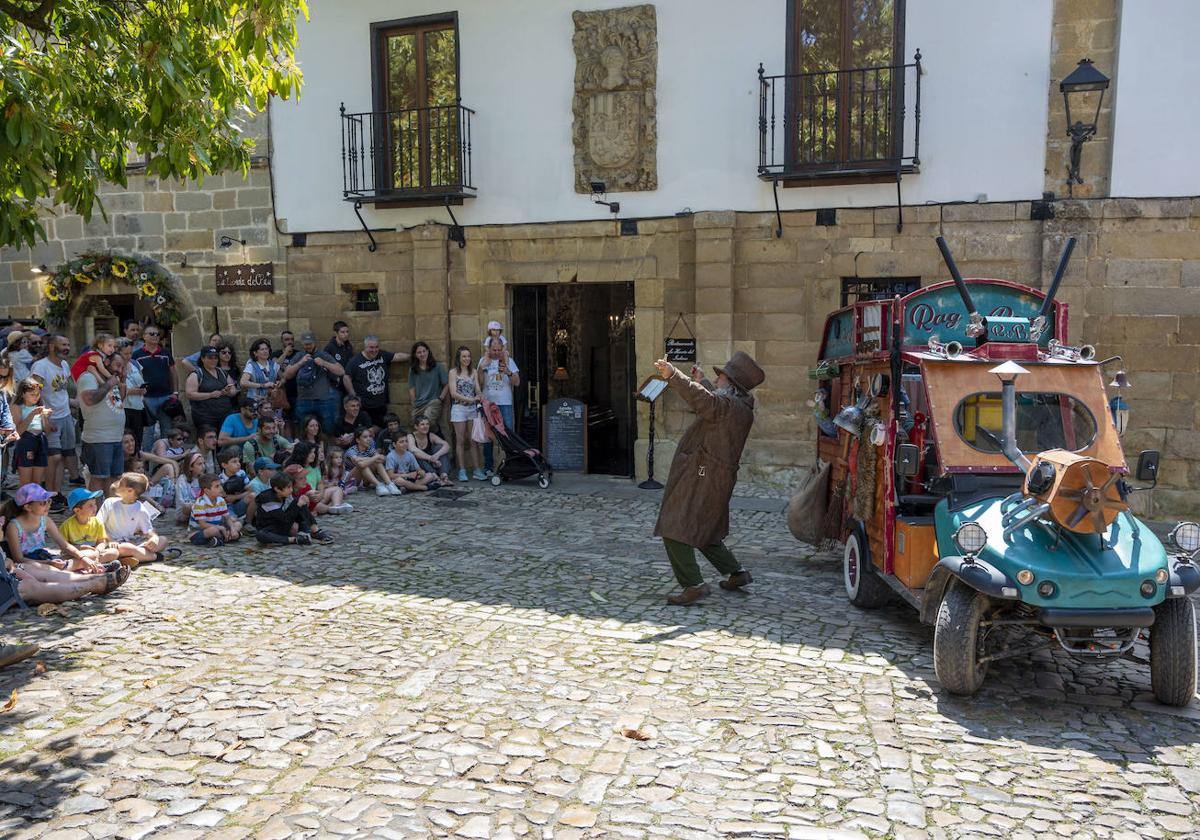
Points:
(85, 83)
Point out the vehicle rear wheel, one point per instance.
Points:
(958, 641)
(863, 586)
(1173, 652)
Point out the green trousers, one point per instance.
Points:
(687, 570)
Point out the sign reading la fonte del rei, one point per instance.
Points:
(246, 278)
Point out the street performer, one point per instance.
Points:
(695, 504)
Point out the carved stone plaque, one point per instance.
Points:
(616, 71)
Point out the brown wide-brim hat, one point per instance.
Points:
(742, 371)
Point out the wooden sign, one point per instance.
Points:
(246, 278)
(681, 349)
(564, 432)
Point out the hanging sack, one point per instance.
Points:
(806, 512)
(479, 431)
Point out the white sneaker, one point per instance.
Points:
(382, 490)
(344, 507)
(394, 490)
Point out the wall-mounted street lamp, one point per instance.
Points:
(600, 188)
(1083, 81)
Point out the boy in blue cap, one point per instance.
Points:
(86, 532)
(264, 469)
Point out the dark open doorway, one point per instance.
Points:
(576, 340)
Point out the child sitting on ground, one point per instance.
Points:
(390, 431)
(129, 522)
(187, 487)
(264, 470)
(405, 472)
(281, 520)
(173, 447)
(327, 498)
(337, 474)
(211, 523)
(84, 531)
(234, 481)
(42, 576)
(368, 464)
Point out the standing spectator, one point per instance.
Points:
(8, 427)
(367, 378)
(287, 349)
(158, 373)
(55, 371)
(498, 375)
(37, 347)
(427, 385)
(192, 362)
(261, 376)
(464, 408)
(210, 391)
(341, 348)
(33, 421)
(133, 332)
(102, 405)
(135, 391)
(238, 428)
(315, 373)
(19, 355)
(227, 361)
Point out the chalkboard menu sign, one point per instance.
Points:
(564, 430)
(681, 349)
(246, 278)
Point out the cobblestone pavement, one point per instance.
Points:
(470, 673)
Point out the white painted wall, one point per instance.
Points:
(982, 130)
(1157, 112)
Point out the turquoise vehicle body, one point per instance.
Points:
(1089, 571)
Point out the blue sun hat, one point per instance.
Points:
(80, 495)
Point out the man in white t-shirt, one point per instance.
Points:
(55, 372)
(498, 375)
(103, 409)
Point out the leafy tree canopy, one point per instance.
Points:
(83, 83)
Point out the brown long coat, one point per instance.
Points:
(695, 504)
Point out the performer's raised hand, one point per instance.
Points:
(665, 369)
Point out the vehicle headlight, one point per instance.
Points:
(970, 538)
(1186, 537)
(1161, 576)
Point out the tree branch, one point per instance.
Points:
(37, 19)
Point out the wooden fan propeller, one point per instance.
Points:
(1082, 493)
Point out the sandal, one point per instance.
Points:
(172, 553)
(115, 578)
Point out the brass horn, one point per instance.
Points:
(947, 350)
(1083, 353)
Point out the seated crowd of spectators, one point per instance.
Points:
(112, 439)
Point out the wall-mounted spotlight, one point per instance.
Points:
(599, 188)
(227, 241)
(40, 269)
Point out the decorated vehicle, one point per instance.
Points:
(973, 467)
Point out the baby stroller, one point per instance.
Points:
(520, 459)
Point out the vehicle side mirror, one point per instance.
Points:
(1147, 466)
(908, 460)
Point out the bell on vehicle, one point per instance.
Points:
(849, 418)
(1120, 380)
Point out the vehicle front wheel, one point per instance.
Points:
(1173, 652)
(863, 586)
(958, 640)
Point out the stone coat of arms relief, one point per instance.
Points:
(616, 72)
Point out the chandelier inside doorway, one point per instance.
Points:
(619, 325)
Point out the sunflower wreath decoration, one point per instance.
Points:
(145, 278)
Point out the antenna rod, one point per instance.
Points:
(1058, 276)
(976, 328)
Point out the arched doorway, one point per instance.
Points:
(98, 292)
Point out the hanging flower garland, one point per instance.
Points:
(146, 278)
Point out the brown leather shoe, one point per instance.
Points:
(736, 581)
(11, 654)
(690, 596)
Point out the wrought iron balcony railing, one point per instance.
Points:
(840, 123)
(415, 154)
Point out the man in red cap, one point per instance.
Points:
(695, 504)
